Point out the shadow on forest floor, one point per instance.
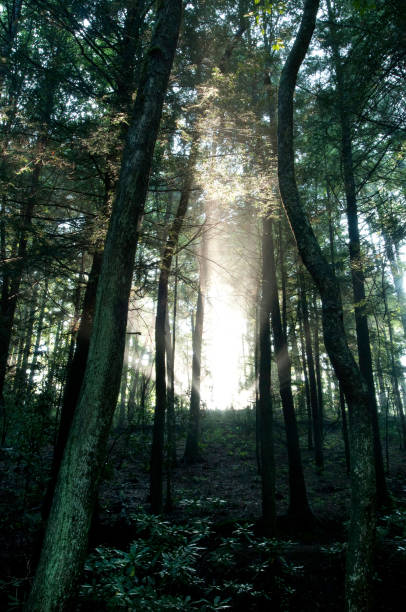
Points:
(307, 569)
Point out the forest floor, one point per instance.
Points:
(224, 489)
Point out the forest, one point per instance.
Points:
(203, 305)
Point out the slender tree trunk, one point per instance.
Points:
(265, 399)
(298, 504)
(77, 365)
(306, 381)
(123, 386)
(74, 377)
(345, 431)
(192, 448)
(9, 301)
(37, 344)
(357, 268)
(256, 373)
(9, 37)
(362, 528)
(320, 399)
(393, 368)
(318, 444)
(171, 375)
(65, 542)
(157, 449)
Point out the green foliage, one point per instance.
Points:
(393, 525)
(185, 567)
(155, 574)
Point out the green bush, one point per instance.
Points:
(186, 567)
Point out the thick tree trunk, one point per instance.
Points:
(362, 528)
(65, 542)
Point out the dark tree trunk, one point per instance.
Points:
(363, 520)
(10, 293)
(345, 430)
(264, 383)
(318, 444)
(172, 459)
(357, 268)
(158, 438)
(192, 447)
(393, 368)
(397, 279)
(256, 374)
(37, 344)
(306, 381)
(9, 36)
(66, 537)
(298, 504)
(320, 398)
(77, 366)
(74, 377)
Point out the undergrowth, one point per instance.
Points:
(188, 567)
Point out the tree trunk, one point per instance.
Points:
(393, 368)
(345, 431)
(298, 504)
(157, 449)
(10, 294)
(9, 37)
(306, 381)
(192, 448)
(264, 383)
(362, 528)
(37, 344)
(318, 445)
(357, 268)
(65, 542)
(320, 399)
(74, 377)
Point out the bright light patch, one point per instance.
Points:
(223, 350)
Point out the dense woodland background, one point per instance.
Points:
(237, 443)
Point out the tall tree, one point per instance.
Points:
(299, 508)
(264, 386)
(157, 448)
(362, 528)
(66, 536)
(357, 267)
(192, 447)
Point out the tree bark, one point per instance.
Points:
(363, 519)
(66, 537)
